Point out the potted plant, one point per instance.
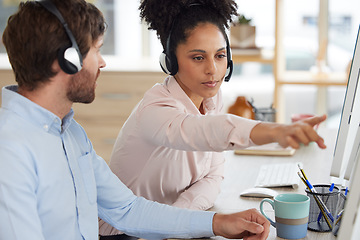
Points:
(242, 33)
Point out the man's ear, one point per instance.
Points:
(55, 67)
(59, 73)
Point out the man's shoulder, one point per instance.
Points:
(10, 121)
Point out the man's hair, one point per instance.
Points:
(33, 37)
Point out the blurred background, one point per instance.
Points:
(289, 34)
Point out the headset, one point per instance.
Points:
(70, 58)
(169, 64)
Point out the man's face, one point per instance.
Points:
(82, 85)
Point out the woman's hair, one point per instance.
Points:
(34, 35)
(179, 17)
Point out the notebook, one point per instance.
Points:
(271, 149)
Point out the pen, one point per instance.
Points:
(302, 171)
(330, 191)
(325, 211)
(304, 181)
(340, 213)
(338, 217)
(312, 189)
(317, 202)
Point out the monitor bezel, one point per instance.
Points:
(349, 121)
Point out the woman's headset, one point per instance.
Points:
(70, 58)
(169, 64)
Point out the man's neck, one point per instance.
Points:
(50, 98)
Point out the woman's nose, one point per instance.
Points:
(211, 66)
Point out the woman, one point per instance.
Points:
(170, 148)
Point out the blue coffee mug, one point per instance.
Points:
(291, 214)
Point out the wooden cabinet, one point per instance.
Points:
(117, 94)
(6, 78)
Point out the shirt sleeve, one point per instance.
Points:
(139, 217)
(172, 126)
(202, 194)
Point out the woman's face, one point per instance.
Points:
(202, 62)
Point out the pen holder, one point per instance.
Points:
(339, 211)
(317, 221)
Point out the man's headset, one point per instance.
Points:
(169, 64)
(70, 58)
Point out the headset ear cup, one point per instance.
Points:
(172, 61)
(164, 63)
(230, 64)
(65, 65)
(69, 57)
(229, 71)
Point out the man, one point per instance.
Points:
(52, 183)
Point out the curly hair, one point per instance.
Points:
(181, 16)
(33, 37)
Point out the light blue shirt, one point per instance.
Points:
(54, 186)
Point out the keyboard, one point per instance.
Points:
(278, 175)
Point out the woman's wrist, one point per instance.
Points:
(264, 133)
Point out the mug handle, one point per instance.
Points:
(271, 202)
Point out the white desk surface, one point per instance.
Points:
(241, 172)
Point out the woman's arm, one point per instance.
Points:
(300, 132)
(202, 194)
(167, 124)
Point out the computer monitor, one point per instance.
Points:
(350, 222)
(346, 161)
(350, 119)
(354, 155)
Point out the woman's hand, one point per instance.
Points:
(300, 132)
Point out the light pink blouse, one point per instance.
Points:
(168, 152)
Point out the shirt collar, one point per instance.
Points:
(179, 93)
(32, 112)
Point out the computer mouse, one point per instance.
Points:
(259, 192)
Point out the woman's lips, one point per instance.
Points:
(210, 84)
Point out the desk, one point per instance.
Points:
(241, 172)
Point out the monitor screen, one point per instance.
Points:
(350, 119)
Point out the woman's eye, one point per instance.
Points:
(198, 58)
(221, 55)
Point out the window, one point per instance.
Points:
(128, 38)
(344, 22)
(126, 35)
(7, 8)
